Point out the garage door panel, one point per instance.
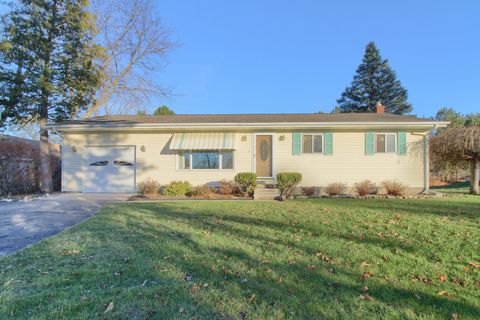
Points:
(110, 169)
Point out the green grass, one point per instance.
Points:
(255, 260)
(456, 187)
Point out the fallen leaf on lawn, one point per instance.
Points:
(195, 288)
(365, 275)
(441, 277)
(109, 307)
(269, 270)
(71, 252)
(455, 316)
(443, 293)
(364, 289)
(311, 267)
(118, 273)
(478, 283)
(474, 265)
(181, 310)
(252, 298)
(364, 264)
(83, 297)
(424, 279)
(187, 277)
(459, 282)
(144, 283)
(366, 297)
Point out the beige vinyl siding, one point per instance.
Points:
(348, 163)
(157, 161)
(72, 167)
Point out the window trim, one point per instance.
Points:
(220, 160)
(386, 142)
(314, 134)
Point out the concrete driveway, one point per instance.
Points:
(25, 222)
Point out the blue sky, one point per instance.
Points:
(298, 56)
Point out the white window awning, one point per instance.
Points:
(203, 141)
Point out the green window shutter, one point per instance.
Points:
(328, 143)
(402, 143)
(369, 143)
(296, 143)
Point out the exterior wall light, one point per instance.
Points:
(74, 149)
(142, 148)
(282, 137)
(244, 138)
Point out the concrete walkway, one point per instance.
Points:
(25, 222)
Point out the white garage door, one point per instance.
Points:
(110, 169)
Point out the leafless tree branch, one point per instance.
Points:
(136, 44)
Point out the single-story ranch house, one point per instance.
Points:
(114, 153)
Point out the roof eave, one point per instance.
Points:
(236, 126)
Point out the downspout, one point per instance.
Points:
(426, 161)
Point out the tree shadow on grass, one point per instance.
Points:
(164, 248)
(300, 285)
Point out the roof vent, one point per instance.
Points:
(380, 107)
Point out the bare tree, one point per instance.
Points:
(460, 144)
(135, 44)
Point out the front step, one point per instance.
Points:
(265, 193)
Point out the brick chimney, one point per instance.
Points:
(380, 107)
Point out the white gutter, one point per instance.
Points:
(232, 126)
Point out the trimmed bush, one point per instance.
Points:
(366, 187)
(336, 188)
(247, 182)
(287, 181)
(177, 188)
(228, 187)
(394, 188)
(148, 186)
(205, 191)
(308, 191)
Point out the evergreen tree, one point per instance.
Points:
(164, 111)
(47, 69)
(374, 82)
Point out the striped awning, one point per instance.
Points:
(203, 141)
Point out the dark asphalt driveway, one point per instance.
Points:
(25, 222)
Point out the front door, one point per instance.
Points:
(263, 157)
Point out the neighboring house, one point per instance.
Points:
(113, 153)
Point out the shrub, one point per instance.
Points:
(366, 187)
(335, 188)
(246, 181)
(148, 186)
(394, 188)
(177, 188)
(203, 191)
(308, 191)
(287, 181)
(228, 187)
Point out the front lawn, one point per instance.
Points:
(255, 260)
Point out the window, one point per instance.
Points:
(99, 163)
(385, 143)
(122, 163)
(312, 143)
(199, 160)
(205, 160)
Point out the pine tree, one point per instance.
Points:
(47, 69)
(374, 82)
